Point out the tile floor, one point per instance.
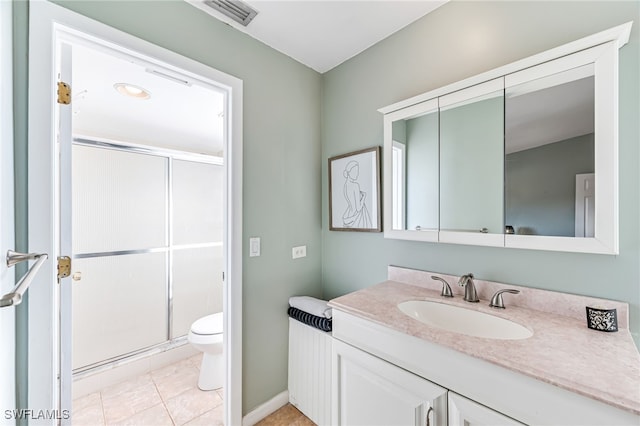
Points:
(167, 396)
(286, 416)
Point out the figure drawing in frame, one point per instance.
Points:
(356, 215)
(354, 191)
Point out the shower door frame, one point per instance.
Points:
(49, 25)
(169, 248)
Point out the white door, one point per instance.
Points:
(49, 232)
(465, 412)
(65, 115)
(368, 391)
(585, 205)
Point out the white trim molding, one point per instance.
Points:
(619, 34)
(50, 24)
(263, 410)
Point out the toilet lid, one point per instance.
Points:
(211, 324)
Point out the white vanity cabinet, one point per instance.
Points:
(369, 391)
(384, 376)
(465, 412)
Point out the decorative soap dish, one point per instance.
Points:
(602, 319)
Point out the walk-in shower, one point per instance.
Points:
(147, 248)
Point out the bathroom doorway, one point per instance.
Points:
(150, 254)
(147, 208)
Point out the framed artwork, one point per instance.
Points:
(354, 191)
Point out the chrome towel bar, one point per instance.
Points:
(15, 296)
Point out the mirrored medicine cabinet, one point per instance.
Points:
(523, 156)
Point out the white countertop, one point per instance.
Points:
(562, 351)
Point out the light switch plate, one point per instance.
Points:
(254, 246)
(298, 252)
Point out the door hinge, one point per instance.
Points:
(64, 93)
(64, 266)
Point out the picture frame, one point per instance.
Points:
(354, 191)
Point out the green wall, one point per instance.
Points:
(20, 109)
(422, 201)
(281, 193)
(471, 197)
(458, 40)
(540, 186)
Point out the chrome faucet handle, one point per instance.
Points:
(446, 290)
(496, 300)
(463, 279)
(470, 294)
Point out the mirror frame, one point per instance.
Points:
(605, 60)
(389, 232)
(600, 49)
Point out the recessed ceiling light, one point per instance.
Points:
(132, 91)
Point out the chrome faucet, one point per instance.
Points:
(496, 300)
(446, 290)
(470, 294)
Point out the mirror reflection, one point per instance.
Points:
(549, 153)
(472, 165)
(415, 172)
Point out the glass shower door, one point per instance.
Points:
(147, 248)
(120, 253)
(197, 252)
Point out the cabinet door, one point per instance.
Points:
(465, 412)
(368, 391)
(472, 165)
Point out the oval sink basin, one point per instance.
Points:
(464, 321)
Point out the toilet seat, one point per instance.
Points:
(208, 326)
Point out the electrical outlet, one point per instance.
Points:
(298, 252)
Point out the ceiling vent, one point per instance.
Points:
(234, 9)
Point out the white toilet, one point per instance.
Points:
(206, 336)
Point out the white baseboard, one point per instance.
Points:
(262, 411)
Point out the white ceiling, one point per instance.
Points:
(176, 116)
(324, 34)
(319, 34)
(189, 117)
